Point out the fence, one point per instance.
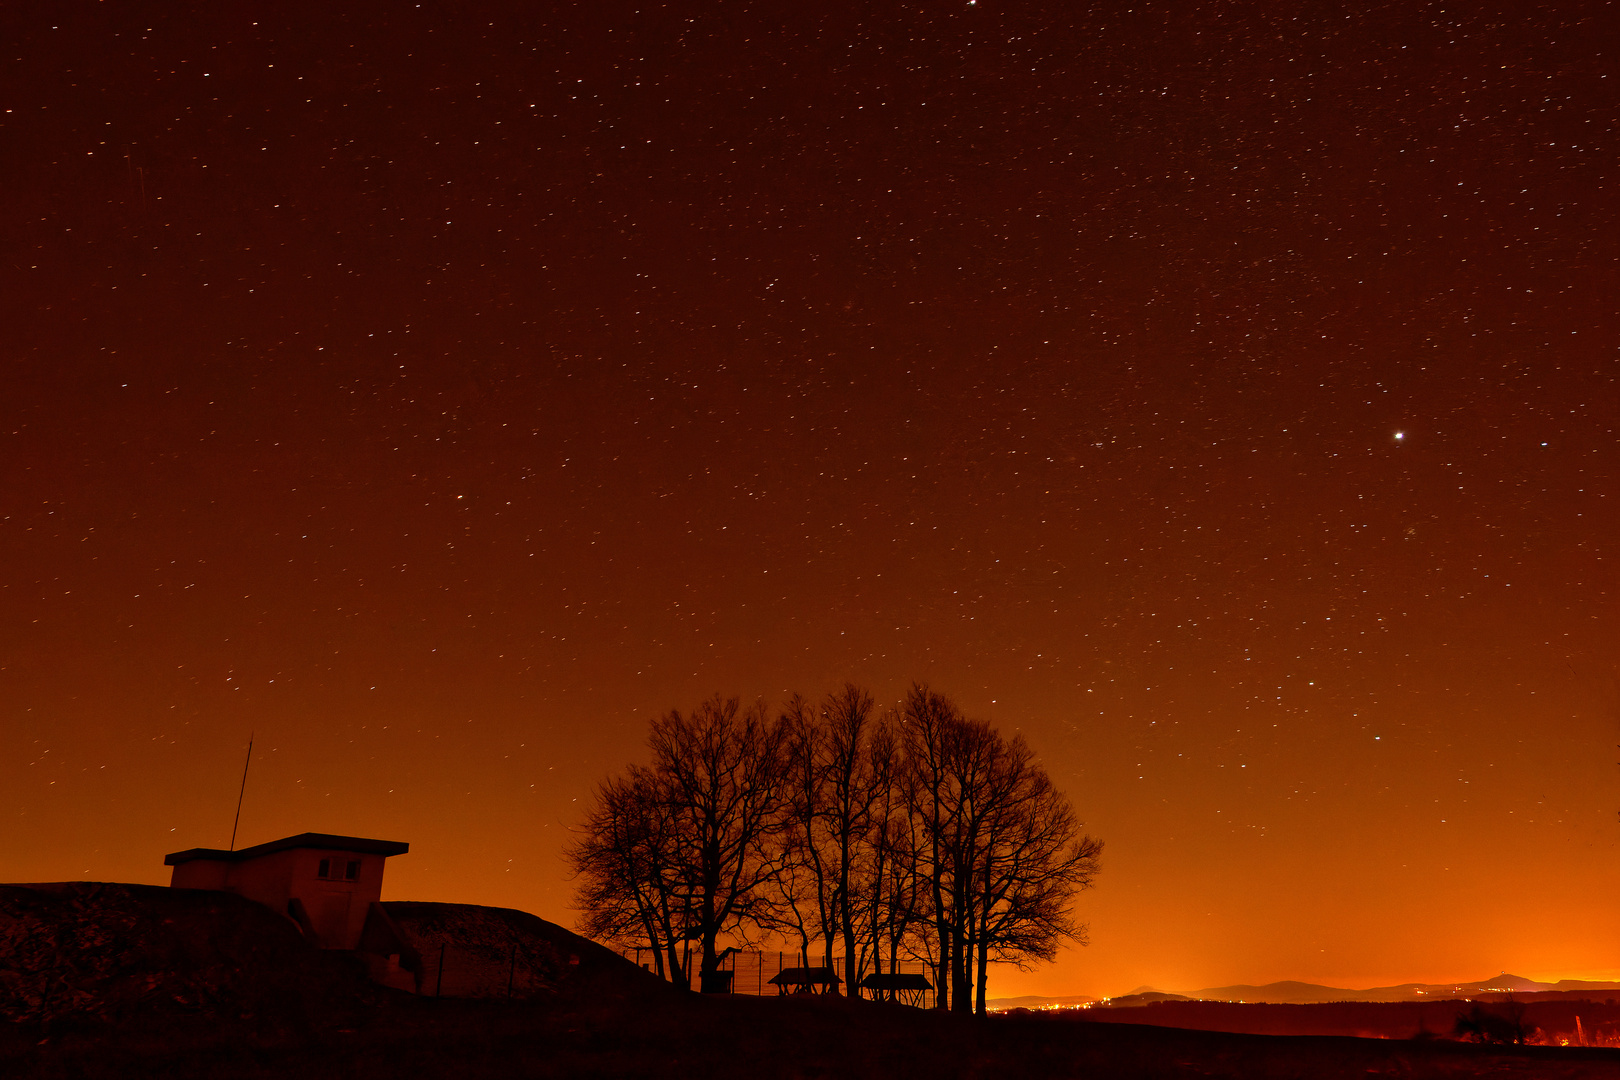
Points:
(752, 970)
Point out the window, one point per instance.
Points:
(343, 870)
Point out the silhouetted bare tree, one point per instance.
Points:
(1032, 860)
(625, 860)
(721, 770)
(887, 871)
(921, 835)
(930, 722)
(1000, 848)
(847, 817)
(806, 857)
(796, 896)
(830, 809)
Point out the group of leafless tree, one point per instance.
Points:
(910, 834)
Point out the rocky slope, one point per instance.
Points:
(491, 952)
(93, 950)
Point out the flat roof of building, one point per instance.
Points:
(316, 840)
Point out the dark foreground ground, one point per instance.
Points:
(742, 1037)
(123, 982)
(1547, 1019)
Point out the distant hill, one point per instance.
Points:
(1144, 997)
(1299, 993)
(1303, 993)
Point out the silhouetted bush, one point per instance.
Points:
(1507, 1026)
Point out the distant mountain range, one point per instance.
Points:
(1300, 993)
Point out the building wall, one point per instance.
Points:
(200, 874)
(336, 906)
(267, 879)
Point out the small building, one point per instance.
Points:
(806, 980)
(331, 886)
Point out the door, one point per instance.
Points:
(331, 919)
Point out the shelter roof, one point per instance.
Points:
(897, 981)
(804, 976)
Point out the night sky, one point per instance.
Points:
(1221, 395)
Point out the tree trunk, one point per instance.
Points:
(876, 907)
(942, 962)
(984, 977)
(851, 960)
(708, 980)
(962, 947)
(982, 958)
(672, 946)
(651, 928)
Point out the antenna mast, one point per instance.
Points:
(243, 792)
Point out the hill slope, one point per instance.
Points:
(117, 952)
(473, 951)
(107, 951)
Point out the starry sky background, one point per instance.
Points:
(1222, 395)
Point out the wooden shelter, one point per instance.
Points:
(905, 989)
(806, 980)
